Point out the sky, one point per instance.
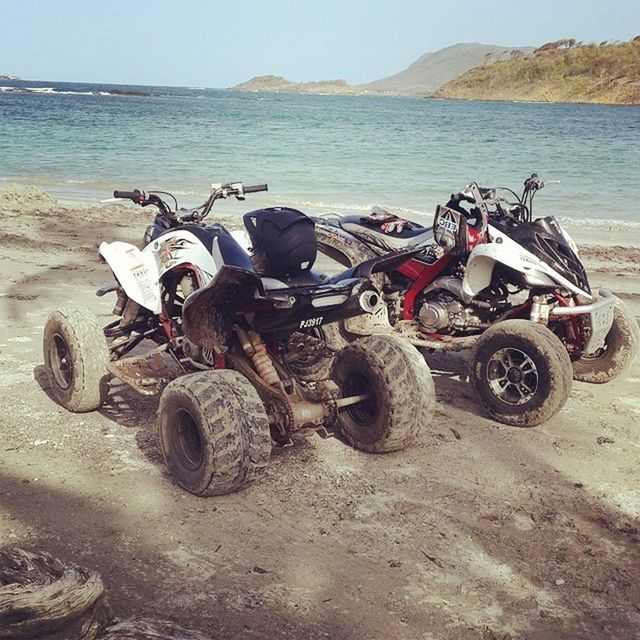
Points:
(219, 43)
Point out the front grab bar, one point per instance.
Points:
(606, 298)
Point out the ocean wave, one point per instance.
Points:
(358, 208)
(49, 91)
(425, 216)
(595, 224)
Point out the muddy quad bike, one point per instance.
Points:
(240, 356)
(515, 292)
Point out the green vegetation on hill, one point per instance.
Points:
(561, 71)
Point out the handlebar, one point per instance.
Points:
(134, 195)
(218, 191)
(256, 188)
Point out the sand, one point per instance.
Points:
(478, 531)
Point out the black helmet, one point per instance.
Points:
(284, 241)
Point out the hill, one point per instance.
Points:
(561, 71)
(423, 77)
(432, 70)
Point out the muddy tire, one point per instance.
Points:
(522, 372)
(619, 351)
(75, 358)
(315, 364)
(214, 432)
(400, 388)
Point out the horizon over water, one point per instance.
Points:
(321, 152)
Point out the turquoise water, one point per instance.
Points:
(320, 153)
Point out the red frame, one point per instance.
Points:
(421, 274)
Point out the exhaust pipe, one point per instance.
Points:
(369, 301)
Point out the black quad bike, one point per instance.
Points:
(238, 345)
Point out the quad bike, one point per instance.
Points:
(241, 356)
(492, 279)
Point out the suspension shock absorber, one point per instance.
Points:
(255, 348)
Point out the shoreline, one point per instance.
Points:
(353, 91)
(590, 232)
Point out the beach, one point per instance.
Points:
(479, 530)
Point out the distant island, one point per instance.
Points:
(5, 77)
(121, 92)
(559, 71)
(280, 84)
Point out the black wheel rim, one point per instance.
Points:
(512, 376)
(61, 363)
(188, 440)
(364, 412)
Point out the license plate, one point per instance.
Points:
(601, 321)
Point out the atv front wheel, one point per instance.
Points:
(214, 432)
(75, 358)
(398, 389)
(522, 372)
(619, 351)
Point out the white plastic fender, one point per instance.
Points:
(504, 250)
(139, 272)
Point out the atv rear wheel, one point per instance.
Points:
(214, 432)
(399, 389)
(522, 372)
(75, 358)
(619, 351)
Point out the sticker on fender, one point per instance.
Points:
(311, 322)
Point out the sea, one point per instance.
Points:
(323, 153)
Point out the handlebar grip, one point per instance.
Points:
(129, 195)
(255, 188)
(460, 197)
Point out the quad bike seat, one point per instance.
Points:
(309, 278)
(374, 231)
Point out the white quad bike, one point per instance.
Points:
(241, 353)
(493, 280)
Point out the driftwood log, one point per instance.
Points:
(42, 597)
(149, 630)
